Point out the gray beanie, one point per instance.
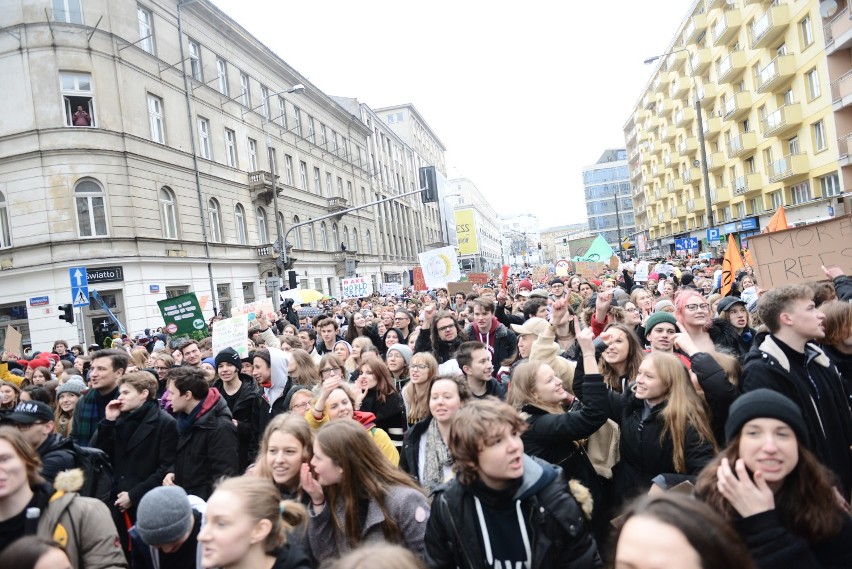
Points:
(404, 351)
(164, 515)
(73, 385)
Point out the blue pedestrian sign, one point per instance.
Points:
(79, 286)
(713, 234)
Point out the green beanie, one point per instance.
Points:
(658, 318)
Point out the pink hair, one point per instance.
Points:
(681, 299)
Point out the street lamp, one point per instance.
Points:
(704, 172)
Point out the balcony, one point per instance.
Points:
(678, 211)
(742, 144)
(737, 106)
(635, 172)
(697, 24)
(844, 149)
(662, 78)
(658, 194)
(674, 185)
(769, 27)
(654, 147)
(707, 94)
(732, 67)
(684, 117)
(679, 88)
(788, 167)
(336, 204)
(630, 135)
(664, 107)
(645, 156)
(838, 32)
(265, 252)
(690, 175)
(655, 170)
(667, 133)
(260, 185)
(712, 128)
(695, 205)
(777, 75)
(647, 102)
(343, 256)
(651, 123)
(720, 195)
(675, 60)
(700, 61)
(727, 27)
(747, 184)
(687, 147)
(841, 91)
(783, 121)
(670, 158)
(715, 161)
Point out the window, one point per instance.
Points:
(349, 195)
(231, 147)
(77, 98)
(355, 243)
(297, 233)
(252, 150)
(806, 31)
(288, 169)
(346, 238)
(323, 135)
(740, 210)
(345, 147)
(248, 292)
(819, 136)
(334, 140)
(67, 11)
(328, 187)
(91, 209)
(793, 145)
(262, 230)
(215, 221)
(264, 101)
(812, 78)
(155, 117)
(303, 172)
(335, 235)
(146, 29)
(168, 214)
(788, 97)
(756, 206)
(204, 138)
(324, 236)
(195, 68)
(311, 132)
(222, 75)
(312, 238)
(829, 186)
(297, 118)
(245, 96)
(282, 112)
(5, 229)
(223, 293)
(240, 219)
(317, 184)
(777, 199)
(363, 195)
(801, 193)
(340, 186)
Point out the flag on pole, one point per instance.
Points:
(778, 221)
(748, 258)
(732, 262)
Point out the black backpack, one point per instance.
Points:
(97, 473)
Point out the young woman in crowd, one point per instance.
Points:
(397, 358)
(67, 396)
(302, 370)
(41, 375)
(694, 317)
(618, 363)
(774, 491)
(391, 337)
(300, 401)
(287, 444)
(163, 362)
(837, 342)
(672, 530)
(270, 371)
(10, 394)
(343, 351)
(359, 327)
(665, 428)
(425, 455)
(248, 526)
(733, 311)
(139, 358)
(357, 496)
(415, 394)
(337, 400)
(33, 552)
(412, 340)
(141, 442)
(242, 396)
(382, 399)
(643, 300)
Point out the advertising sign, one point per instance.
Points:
(466, 231)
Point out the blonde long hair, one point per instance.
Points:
(523, 389)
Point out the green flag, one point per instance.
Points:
(598, 252)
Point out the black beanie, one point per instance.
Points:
(762, 404)
(230, 356)
(686, 279)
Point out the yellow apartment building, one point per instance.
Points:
(757, 73)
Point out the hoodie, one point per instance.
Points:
(280, 380)
(488, 337)
(501, 341)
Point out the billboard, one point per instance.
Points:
(466, 231)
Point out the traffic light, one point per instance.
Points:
(67, 313)
(429, 184)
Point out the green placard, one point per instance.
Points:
(182, 314)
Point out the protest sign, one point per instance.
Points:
(393, 289)
(419, 281)
(232, 333)
(356, 287)
(479, 278)
(12, 343)
(641, 274)
(462, 287)
(263, 304)
(182, 314)
(440, 266)
(539, 275)
(588, 270)
(797, 255)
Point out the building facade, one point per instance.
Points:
(756, 75)
(519, 236)
(554, 241)
(149, 143)
(609, 206)
(838, 48)
(477, 231)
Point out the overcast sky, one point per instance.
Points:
(522, 94)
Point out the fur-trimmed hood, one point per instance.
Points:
(69, 480)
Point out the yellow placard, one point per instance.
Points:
(466, 231)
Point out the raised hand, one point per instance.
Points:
(310, 484)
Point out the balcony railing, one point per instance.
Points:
(715, 161)
(737, 106)
(838, 32)
(787, 167)
(699, 61)
(741, 144)
(841, 91)
(747, 184)
(693, 29)
(726, 27)
(777, 74)
(770, 26)
(684, 117)
(336, 204)
(783, 121)
(679, 88)
(720, 195)
(707, 94)
(732, 67)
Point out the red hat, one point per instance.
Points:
(54, 357)
(38, 362)
(23, 363)
(526, 283)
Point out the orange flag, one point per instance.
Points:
(748, 258)
(732, 262)
(778, 221)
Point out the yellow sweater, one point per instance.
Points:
(380, 437)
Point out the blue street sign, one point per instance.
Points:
(79, 286)
(713, 234)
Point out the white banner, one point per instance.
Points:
(231, 333)
(264, 304)
(356, 287)
(440, 266)
(394, 289)
(641, 274)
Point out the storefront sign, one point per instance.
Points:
(104, 274)
(39, 300)
(749, 224)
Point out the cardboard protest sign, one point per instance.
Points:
(12, 343)
(394, 289)
(462, 287)
(182, 314)
(479, 278)
(588, 270)
(232, 333)
(419, 280)
(797, 255)
(263, 304)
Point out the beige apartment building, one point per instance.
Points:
(147, 142)
(760, 75)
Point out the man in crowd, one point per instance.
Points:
(557, 289)
(328, 335)
(35, 421)
(500, 341)
(106, 368)
(308, 336)
(474, 359)
(191, 353)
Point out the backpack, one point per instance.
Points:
(97, 473)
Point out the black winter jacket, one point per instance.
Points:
(57, 454)
(558, 531)
(409, 454)
(718, 391)
(244, 409)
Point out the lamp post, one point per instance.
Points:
(705, 174)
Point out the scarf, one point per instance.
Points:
(436, 457)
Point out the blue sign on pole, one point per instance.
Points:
(713, 234)
(79, 286)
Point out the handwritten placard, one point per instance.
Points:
(231, 333)
(479, 278)
(12, 344)
(263, 304)
(796, 255)
(356, 287)
(465, 287)
(588, 270)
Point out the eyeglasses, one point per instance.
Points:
(400, 318)
(693, 307)
(446, 328)
(304, 405)
(634, 309)
(419, 366)
(330, 371)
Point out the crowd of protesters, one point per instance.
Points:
(633, 420)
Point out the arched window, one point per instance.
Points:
(324, 236)
(280, 227)
(215, 218)
(5, 230)
(297, 233)
(369, 243)
(168, 213)
(335, 236)
(346, 237)
(312, 238)
(240, 219)
(262, 230)
(91, 209)
(355, 245)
